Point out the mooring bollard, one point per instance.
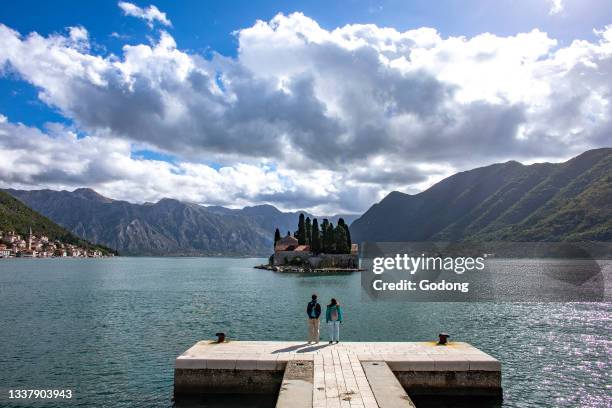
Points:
(220, 337)
(443, 338)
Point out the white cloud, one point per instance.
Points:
(58, 159)
(340, 116)
(78, 34)
(556, 7)
(151, 13)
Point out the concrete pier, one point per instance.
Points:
(297, 387)
(387, 390)
(340, 375)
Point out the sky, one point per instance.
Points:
(316, 105)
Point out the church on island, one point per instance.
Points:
(290, 243)
(313, 247)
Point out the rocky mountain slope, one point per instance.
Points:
(168, 227)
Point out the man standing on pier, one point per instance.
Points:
(313, 310)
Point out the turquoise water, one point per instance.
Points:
(110, 329)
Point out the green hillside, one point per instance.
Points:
(570, 201)
(572, 204)
(16, 216)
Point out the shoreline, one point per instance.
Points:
(303, 269)
(58, 257)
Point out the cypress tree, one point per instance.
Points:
(340, 240)
(324, 236)
(348, 233)
(329, 244)
(308, 226)
(315, 243)
(277, 236)
(301, 235)
(348, 237)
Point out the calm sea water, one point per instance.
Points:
(110, 329)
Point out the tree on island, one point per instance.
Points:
(315, 243)
(324, 239)
(324, 227)
(301, 233)
(277, 236)
(329, 240)
(340, 240)
(308, 226)
(348, 232)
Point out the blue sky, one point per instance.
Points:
(297, 104)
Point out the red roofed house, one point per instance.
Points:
(287, 243)
(288, 248)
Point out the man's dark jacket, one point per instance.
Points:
(317, 309)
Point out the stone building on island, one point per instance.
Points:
(288, 251)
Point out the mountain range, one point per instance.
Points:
(506, 202)
(168, 227)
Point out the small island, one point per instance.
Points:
(314, 248)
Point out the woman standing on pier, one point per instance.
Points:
(333, 317)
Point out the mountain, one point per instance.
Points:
(16, 216)
(270, 217)
(506, 201)
(168, 227)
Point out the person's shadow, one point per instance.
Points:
(298, 348)
(312, 348)
(290, 348)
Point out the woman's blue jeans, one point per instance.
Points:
(334, 330)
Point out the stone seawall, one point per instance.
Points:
(343, 261)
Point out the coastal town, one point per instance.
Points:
(14, 245)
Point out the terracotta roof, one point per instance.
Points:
(288, 240)
(302, 248)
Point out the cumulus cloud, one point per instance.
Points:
(60, 159)
(339, 116)
(57, 158)
(151, 13)
(556, 7)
